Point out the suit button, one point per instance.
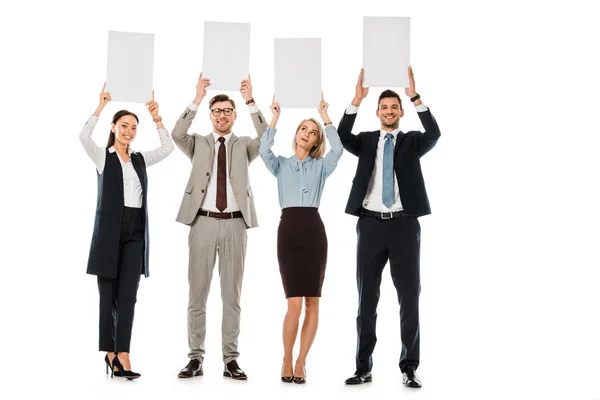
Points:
(202, 190)
(207, 174)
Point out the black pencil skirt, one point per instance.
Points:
(301, 251)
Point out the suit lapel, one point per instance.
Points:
(232, 140)
(118, 171)
(211, 146)
(375, 141)
(399, 139)
(139, 171)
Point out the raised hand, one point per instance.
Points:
(104, 99)
(246, 88)
(201, 86)
(360, 92)
(104, 96)
(276, 110)
(323, 108)
(410, 90)
(152, 107)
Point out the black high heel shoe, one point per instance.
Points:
(112, 370)
(123, 372)
(286, 379)
(300, 380)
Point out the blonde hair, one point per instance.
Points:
(319, 150)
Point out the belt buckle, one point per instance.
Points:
(225, 215)
(384, 217)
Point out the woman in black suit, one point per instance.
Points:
(119, 249)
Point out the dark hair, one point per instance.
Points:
(118, 115)
(218, 98)
(387, 94)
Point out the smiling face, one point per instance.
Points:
(307, 135)
(222, 123)
(125, 129)
(389, 112)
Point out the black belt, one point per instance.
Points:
(383, 215)
(225, 215)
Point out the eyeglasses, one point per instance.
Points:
(217, 111)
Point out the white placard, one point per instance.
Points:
(130, 66)
(386, 51)
(226, 54)
(298, 72)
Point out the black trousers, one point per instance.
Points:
(397, 240)
(118, 296)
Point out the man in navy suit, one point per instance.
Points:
(388, 195)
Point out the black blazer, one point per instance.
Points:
(103, 258)
(410, 147)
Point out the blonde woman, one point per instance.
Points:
(301, 237)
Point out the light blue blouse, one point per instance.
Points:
(300, 183)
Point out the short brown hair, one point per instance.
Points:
(387, 94)
(319, 149)
(218, 98)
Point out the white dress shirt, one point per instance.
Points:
(373, 199)
(132, 187)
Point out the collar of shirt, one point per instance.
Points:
(299, 161)
(394, 133)
(216, 137)
(308, 158)
(111, 149)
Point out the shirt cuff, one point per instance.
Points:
(193, 107)
(253, 108)
(352, 109)
(421, 107)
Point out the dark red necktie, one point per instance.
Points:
(221, 176)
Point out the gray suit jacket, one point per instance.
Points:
(200, 149)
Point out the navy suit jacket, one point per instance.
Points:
(409, 149)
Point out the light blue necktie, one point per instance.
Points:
(388, 171)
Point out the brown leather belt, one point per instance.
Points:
(225, 215)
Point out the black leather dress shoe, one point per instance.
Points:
(410, 378)
(233, 371)
(359, 377)
(194, 368)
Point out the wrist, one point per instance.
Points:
(250, 101)
(356, 102)
(197, 100)
(156, 118)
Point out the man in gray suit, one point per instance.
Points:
(218, 206)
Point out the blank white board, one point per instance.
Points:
(226, 54)
(386, 51)
(130, 66)
(298, 72)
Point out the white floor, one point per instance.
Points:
(325, 380)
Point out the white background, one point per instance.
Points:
(509, 306)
